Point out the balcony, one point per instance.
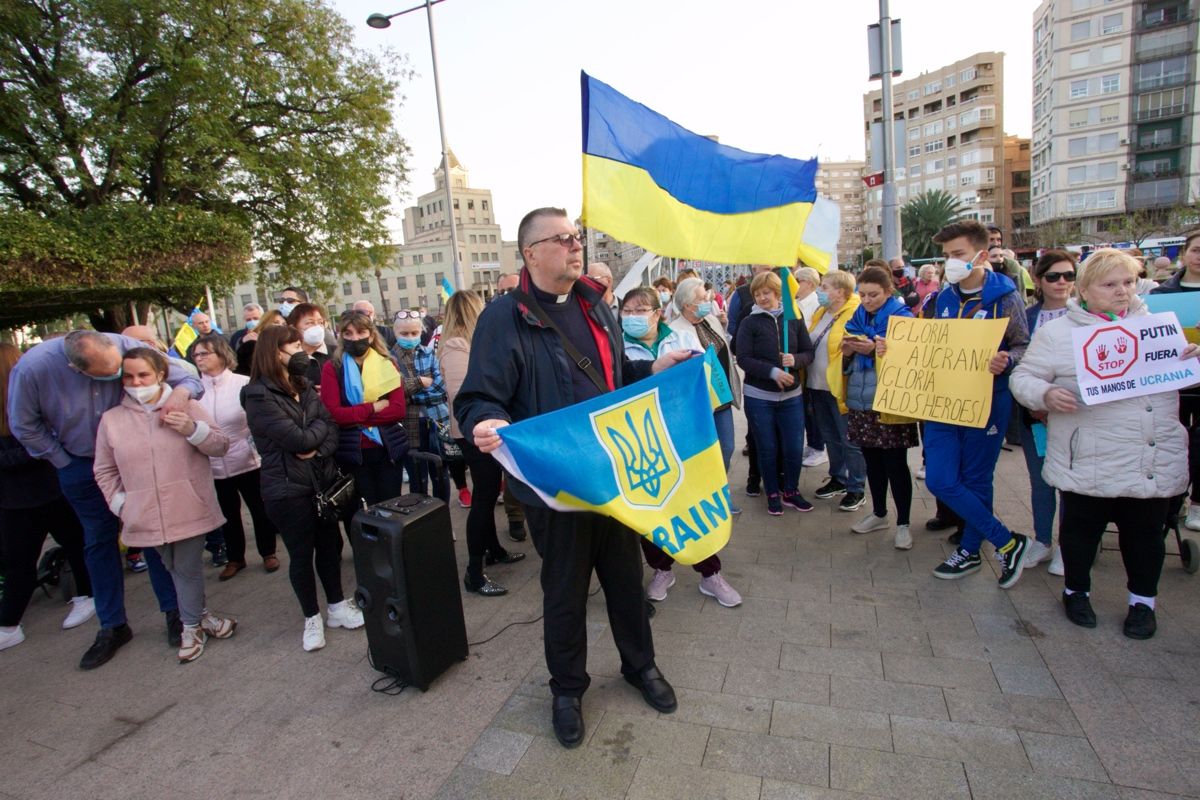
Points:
(1151, 145)
(1165, 17)
(1161, 82)
(1153, 194)
(1163, 112)
(1141, 176)
(1163, 51)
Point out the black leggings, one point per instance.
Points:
(889, 465)
(376, 479)
(486, 475)
(1141, 533)
(308, 538)
(458, 471)
(22, 533)
(247, 487)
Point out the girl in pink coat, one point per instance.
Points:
(157, 478)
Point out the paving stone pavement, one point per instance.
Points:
(849, 672)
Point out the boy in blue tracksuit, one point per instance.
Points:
(960, 461)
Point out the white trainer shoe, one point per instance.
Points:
(217, 627)
(191, 643)
(814, 458)
(717, 587)
(314, 633)
(11, 638)
(1192, 523)
(344, 615)
(870, 523)
(920, 473)
(663, 579)
(82, 609)
(1056, 563)
(903, 538)
(1038, 553)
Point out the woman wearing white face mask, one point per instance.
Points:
(156, 476)
(308, 319)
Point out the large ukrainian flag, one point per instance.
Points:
(646, 455)
(649, 181)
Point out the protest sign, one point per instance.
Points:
(1132, 357)
(1185, 305)
(937, 369)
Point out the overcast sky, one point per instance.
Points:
(773, 77)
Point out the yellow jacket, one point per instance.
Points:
(833, 341)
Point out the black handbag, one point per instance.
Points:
(333, 501)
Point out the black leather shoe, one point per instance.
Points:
(174, 629)
(1079, 609)
(108, 641)
(655, 689)
(568, 721)
(936, 524)
(509, 557)
(484, 586)
(516, 531)
(1140, 623)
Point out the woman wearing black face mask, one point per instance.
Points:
(362, 389)
(296, 438)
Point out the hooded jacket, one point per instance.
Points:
(759, 343)
(1134, 447)
(998, 298)
(222, 400)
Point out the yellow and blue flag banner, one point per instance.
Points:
(379, 376)
(652, 182)
(646, 455)
(720, 393)
(447, 289)
(186, 333)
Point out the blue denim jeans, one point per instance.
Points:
(846, 461)
(1043, 496)
(778, 427)
(960, 466)
(100, 549)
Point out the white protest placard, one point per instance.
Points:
(1132, 357)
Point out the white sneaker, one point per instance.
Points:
(657, 589)
(11, 638)
(344, 615)
(903, 538)
(717, 587)
(191, 643)
(814, 458)
(314, 633)
(1038, 553)
(921, 472)
(82, 609)
(870, 523)
(217, 627)
(1192, 523)
(1056, 563)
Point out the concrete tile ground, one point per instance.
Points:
(849, 672)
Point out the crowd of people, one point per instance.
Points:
(113, 442)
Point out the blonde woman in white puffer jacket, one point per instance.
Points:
(1114, 462)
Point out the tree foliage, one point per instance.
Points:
(254, 117)
(925, 215)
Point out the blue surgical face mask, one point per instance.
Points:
(108, 378)
(285, 308)
(251, 324)
(822, 298)
(703, 309)
(408, 343)
(635, 327)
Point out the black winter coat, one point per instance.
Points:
(283, 428)
(759, 343)
(25, 481)
(519, 369)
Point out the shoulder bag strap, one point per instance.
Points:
(581, 361)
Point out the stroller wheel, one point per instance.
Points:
(1189, 552)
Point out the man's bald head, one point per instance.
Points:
(365, 307)
(601, 274)
(507, 282)
(143, 333)
(202, 323)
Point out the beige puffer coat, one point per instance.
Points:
(1127, 448)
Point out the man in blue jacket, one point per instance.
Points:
(521, 366)
(961, 461)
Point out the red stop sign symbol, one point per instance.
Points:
(1110, 352)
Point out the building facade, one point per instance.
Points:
(842, 182)
(953, 139)
(1115, 109)
(409, 275)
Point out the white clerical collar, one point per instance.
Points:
(562, 298)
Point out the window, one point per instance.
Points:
(483, 204)
(1110, 23)
(1110, 84)
(914, 94)
(933, 87)
(914, 151)
(1110, 112)
(1077, 147)
(1081, 30)
(491, 238)
(914, 134)
(365, 286)
(1108, 142)
(1078, 118)
(968, 74)
(934, 146)
(438, 277)
(438, 257)
(346, 288)
(1163, 73)
(1080, 60)
(1110, 54)
(418, 258)
(933, 128)
(403, 302)
(402, 284)
(495, 256)
(420, 281)
(470, 205)
(383, 284)
(1076, 176)
(472, 238)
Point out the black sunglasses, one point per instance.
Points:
(1055, 277)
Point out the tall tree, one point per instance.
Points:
(925, 215)
(250, 116)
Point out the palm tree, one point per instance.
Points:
(925, 215)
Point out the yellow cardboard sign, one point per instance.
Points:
(937, 369)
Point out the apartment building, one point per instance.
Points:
(841, 181)
(1115, 109)
(953, 139)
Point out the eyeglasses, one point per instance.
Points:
(564, 239)
(407, 315)
(200, 353)
(1055, 277)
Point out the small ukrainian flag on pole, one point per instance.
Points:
(447, 289)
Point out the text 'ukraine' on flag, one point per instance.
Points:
(646, 455)
(447, 289)
(649, 181)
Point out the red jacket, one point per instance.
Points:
(363, 414)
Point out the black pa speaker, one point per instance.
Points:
(408, 588)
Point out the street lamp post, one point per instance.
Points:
(381, 21)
